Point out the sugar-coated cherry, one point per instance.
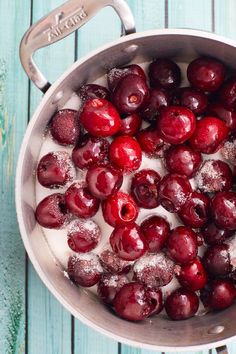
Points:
(64, 127)
(209, 134)
(90, 151)
(109, 285)
(193, 276)
(158, 98)
(219, 294)
(191, 98)
(216, 260)
(214, 176)
(195, 212)
(228, 150)
(182, 159)
(177, 124)
(125, 153)
(83, 235)
(85, 269)
(119, 208)
(182, 245)
(55, 169)
(151, 142)
(112, 263)
(173, 192)
(227, 94)
(100, 118)
(181, 304)
(144, 188)
(228, 115)
(130, 124)
(135, 302)
(130, 94)
(156, 230)
(116, 74)
(213, 235)
(51, 212)
(128, 242)
(90, 91)
(80, 202)
(224, 210)
(154, 270)
(206, 74)
(164, 73)
(103, 181)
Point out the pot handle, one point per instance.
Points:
(222, 350)
(61, 22)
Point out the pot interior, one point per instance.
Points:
(158, 332)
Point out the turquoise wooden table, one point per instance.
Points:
(31, 320)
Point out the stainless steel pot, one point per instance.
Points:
(211, 330)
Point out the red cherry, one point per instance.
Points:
(228, 94)
(193, 276)
(224, 210)
(158, 98)
(181, 304)
(219, 294)
(91, 91)
(156, 230)
(128, 242)
(100, 118)
(209, 134)
(112, 263)
(213, 235)
(151, 142)
(176, 124)
(116, 74)
(192, 98)
(51, 212)
(206, 74)
(125, 153)
(226, 114)
(119, 208)
(109, 285)
(64, 127)
(164, 73)
(216, 260)
(182, 245)
(130, 125)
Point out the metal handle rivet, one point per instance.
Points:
(216, 330)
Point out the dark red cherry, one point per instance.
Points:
(206, 74)
(192, 98)
(112, 263)
(164, 73)
(55, 169)
(130, 94)
(144, 188)
(100, 118)
(183, 160)
(213, 235)
(90, 91)
(195, 212)
(128, 242)
(83, 235)
(151, 142)
(173, 192)
(219, 294)
(193, 276)
(80, 202)
(181, 304)
(90, 151)
(125, 153)
(155, 297)
(227, 94)
(154, 270)
(176, 124)
(85, 269)
(130, 125)
(182, 245)
(116, 74)
(224, 210)
(156, 230)
(119, 208)
(158, 98)
(109, 285)
(64, 127)
(214, 176)
(216, 260)
(209, 134)
(51, 212)
(217, 109)
(103, 181)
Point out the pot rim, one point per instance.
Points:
(18, 201)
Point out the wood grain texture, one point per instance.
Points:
(13, 119)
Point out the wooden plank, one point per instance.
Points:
(14, 20)
(49, 324)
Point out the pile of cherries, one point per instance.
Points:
(108, 142)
